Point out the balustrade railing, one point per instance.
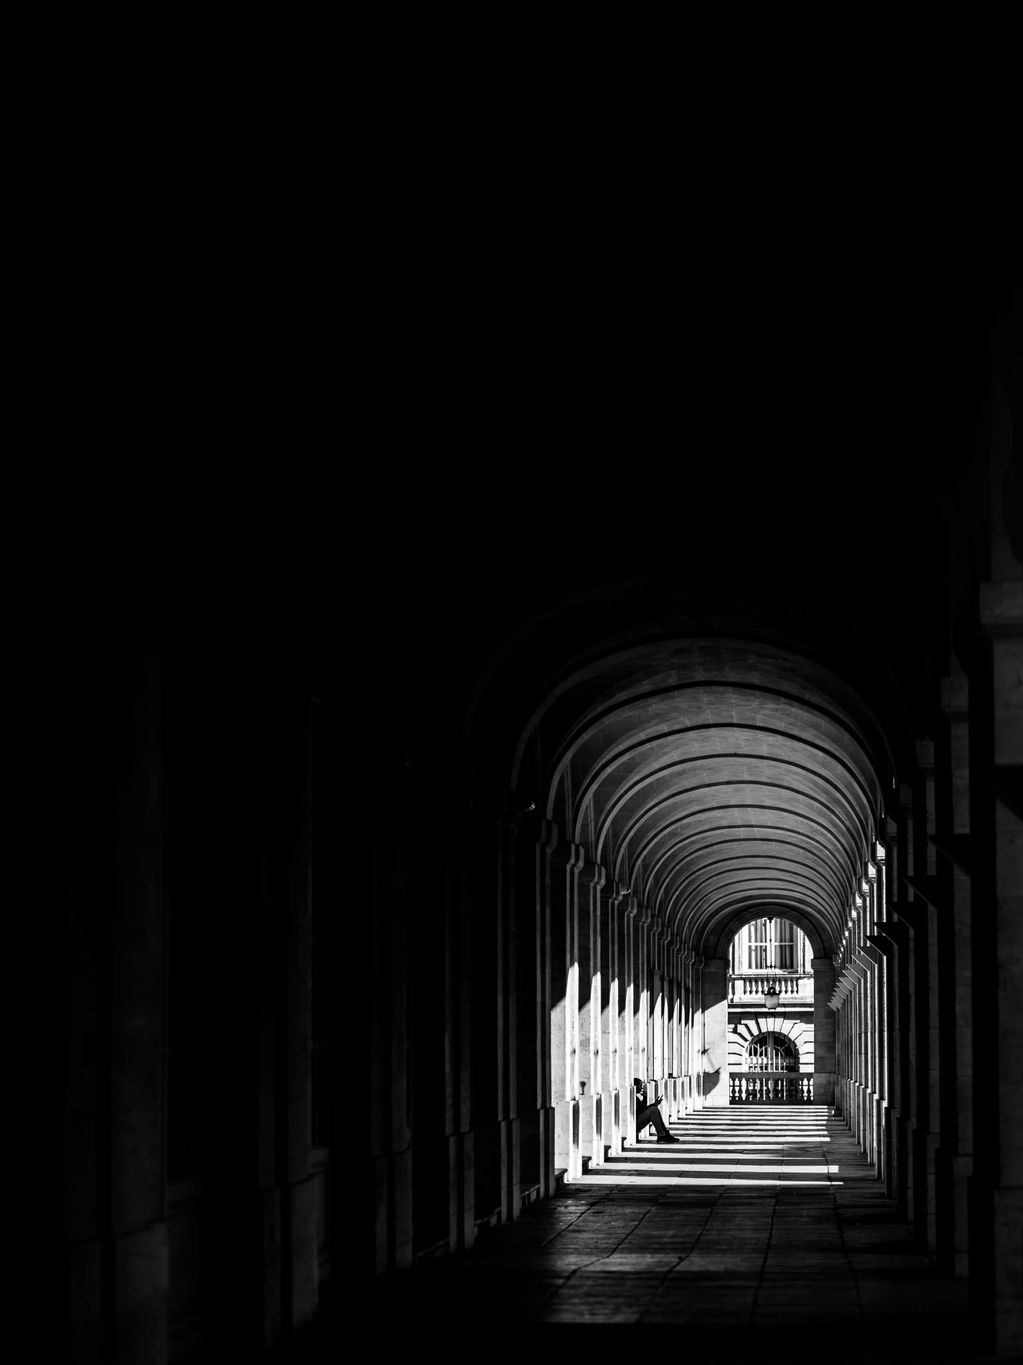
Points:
(770, 1087)
(787, 986)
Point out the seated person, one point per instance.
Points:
(649, 1113)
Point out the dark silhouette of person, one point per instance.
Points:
(649, 1113)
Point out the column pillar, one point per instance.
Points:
(641, 974)
(658, 1021)
(714, 1056)
(1001, 604)
(870, 962)
(886, 947)
(298, 1185)
(938, 1187)
(911, 910)
(688, 1028)
(954, 844)
(590, 880)
(673, 973)
(823, 1031)
(611, 1034)
(566, 861)
(633, 1060)
(135, 1217)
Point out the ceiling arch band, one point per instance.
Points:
(712, 778)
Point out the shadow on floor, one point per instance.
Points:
(763, 1232)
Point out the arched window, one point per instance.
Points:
(771, 1052)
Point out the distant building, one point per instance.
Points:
(770, 1013)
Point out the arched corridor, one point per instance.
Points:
(408, 812)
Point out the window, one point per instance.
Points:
(785, 945)
(758, 942)
(772, 945)
(771, 1052)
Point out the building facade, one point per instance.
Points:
(770, 1014)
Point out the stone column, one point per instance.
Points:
(911, 910)
(856, 975)
(696, 1031)
(897, 934)
(823, 1031)
(641, 976)
(611, 1041)
(301, 1185)
(132, 965)
(886, 1133)
(838, 1003)
(1001, 604)
(688, 1027)
(673, 957)
(547, 842)
(378, 935)
(523, 1046)
(657, 1062)
(566, 862)
(871, 963)
(936, 907)
(632, 1060)
(590, 879)
(954, 844)
(714, 1057)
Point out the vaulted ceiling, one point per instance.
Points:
(713, 776)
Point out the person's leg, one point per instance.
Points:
(651, 1114)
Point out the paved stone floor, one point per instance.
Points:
(763, 1232)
